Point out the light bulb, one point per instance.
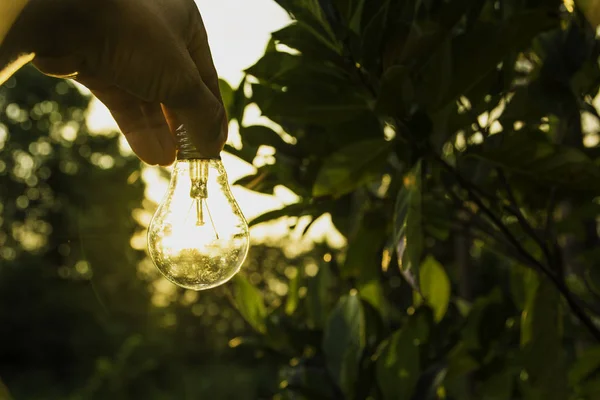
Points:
(198, 237)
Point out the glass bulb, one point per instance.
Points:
(198, 237)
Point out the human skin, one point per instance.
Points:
(148, 61)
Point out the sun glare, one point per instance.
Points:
(232, 53)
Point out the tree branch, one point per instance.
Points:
(521, 218)
(574, 303)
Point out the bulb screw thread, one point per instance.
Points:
(186, 150)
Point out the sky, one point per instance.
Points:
(238, 32)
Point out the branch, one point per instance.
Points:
(521, 218)
(575, 304)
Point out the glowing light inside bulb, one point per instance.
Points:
(198, 237)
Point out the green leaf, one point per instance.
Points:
(499, 386)
(308, 41)
(397, 92)
(363, 259)
(591, 10)
(239, 103)
(283, 69)
(4, 393)
(585, 367)
(293, 297)
(373, 36)
(273, 65)
(408, 222)
(490, 44)
(399, 364)
(474, 332)
(292, 210)
(351, 12)
(304, 103)
(530, 155)
(541, 339)
(227, 94)
(435, 286)
(310, 13)
(351, 167)
(460, 361)
(249, 302)
(344, 342)
(247, 153)
(437, 77)
(318, 297)
(257, 135)
(263, 181)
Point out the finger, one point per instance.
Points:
(199, 50)
(164, 73)
(142, 123)
(200, 54)
(59, 67)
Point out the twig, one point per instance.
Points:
(479, 223)
(550, 214)
(521, 218)
(574, 303)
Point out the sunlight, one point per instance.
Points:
(232, 53)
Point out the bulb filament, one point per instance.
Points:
(199, 189)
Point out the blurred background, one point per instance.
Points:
(422, 181)
(84, 313)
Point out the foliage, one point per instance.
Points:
(83, 315)
(455, 145)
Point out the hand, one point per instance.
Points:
(148, 61)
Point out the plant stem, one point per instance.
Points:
(521, 218)
(574, 303)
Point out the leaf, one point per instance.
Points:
(247, 153)
(258, 135)
(437, 77)
(273, 65)
(292, 210)
(460, 362)
(304, 103)
(363, 259)
(227, 94)
(499, 386)
(351, 167)
(308, 41)
(491, 43)
(591, 10)
(264, 181)
(355, 20)
(239, 103)
(435, 286)
(250, 304)
(293, 297)
(397, 92)
(530, 155)
(399, 364)
(430, 381)
(541, 339)
(373, 35)
(344, 342)
(4, 393)
(318, 297)
(283, 69)
(311, 13)
(474, 331)
(408, 222)
(585, 367)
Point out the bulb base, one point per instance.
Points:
(186, 150)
